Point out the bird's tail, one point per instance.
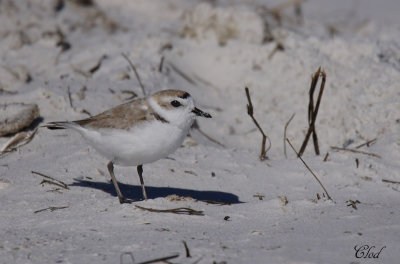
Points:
(59, 125)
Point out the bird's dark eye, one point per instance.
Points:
(175, 103)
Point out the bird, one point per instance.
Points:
(138, 132)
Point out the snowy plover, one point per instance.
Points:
(138, 132)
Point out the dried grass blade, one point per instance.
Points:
(179, 210)
(309, 169)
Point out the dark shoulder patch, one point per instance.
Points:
(184, 95)
(159, 118)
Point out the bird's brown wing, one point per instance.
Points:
(123, 116)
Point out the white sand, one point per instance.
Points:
(360, 103)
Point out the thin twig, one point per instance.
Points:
(131, 93)
(98, 64)
(207, 136)
(52, 182)
(198, 260)
(312, 112)
(136, 73)
(357, 151)
(86, 112)
(284, 133)
(390, 181)
(160, 66)
(69, 96)
(263, 13)
(279, 47)
(179, 210)
(315, 112)
(326, 156)
(81, 72)
(182, 74)
(299, 13)
(163, 259)
(368, 143)
(62, 184)
(353, 203)
(56, 190)
(250, 111)
(309, 169)
(186, 249)
(51, 209)
(209, 84)
(214, 202)
(259, 196)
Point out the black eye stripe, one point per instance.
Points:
(175, 103)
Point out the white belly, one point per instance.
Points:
(144, 144)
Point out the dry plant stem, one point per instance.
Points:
(182, 74)
(210, 138)
(353, 204)
(179, 210)
(299, 13)
(309, 169)
(279, 47)
(62, 184)
(390, 181)
(313, 112)
(326, 156)
(186, 249)
(268, 37)
(357, 151)
(264, 137)
(214, 202)
(51, 182)
(164, 259)
(69, 96)
(51, 208)
(198, 260)
(136, 73)
(368, 143)
(131, 93)
(98, 65)
(83, 73)
(207, 83)
(160, 67)
(284, 133)
(86, 112)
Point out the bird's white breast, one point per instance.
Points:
(142, 144)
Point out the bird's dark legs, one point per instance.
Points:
(121, 198)
(140, 172)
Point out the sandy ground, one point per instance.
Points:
(252, 211)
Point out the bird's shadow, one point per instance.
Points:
(135, 192)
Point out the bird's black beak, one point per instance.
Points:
(198, 112)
